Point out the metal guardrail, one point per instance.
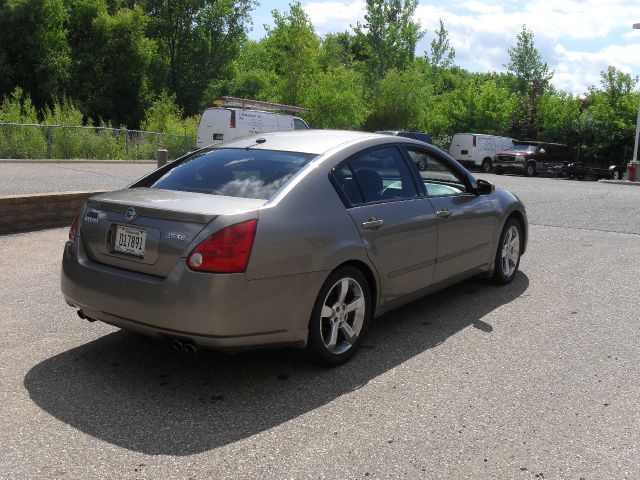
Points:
(31, 140)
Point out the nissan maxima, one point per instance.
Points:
(291, 238)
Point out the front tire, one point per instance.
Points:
(486, 165)
(339, 318)
(508, 253)
(530, 170)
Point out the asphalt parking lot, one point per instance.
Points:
(536, 380)
(22, 178)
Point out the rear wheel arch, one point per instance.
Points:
(368, 273)
(343, 309)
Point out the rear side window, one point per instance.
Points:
(379, 175)
(234, 172)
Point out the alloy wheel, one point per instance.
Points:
(342, 315)
(510, 251)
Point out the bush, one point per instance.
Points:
(20, 141)
(61, 135)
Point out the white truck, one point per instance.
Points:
(477, 149)
(237, 117)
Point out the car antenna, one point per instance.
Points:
(258, 141)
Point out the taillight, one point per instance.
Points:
(474, 140)
(226, 251)
(232, 120)
(73, 229)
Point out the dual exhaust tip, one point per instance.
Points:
(82, 315)
(184, 347)
(178, 345)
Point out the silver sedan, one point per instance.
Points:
(290, 238)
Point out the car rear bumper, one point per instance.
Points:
(217, 311)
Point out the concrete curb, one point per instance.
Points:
(99, 162)
(25, 213)
(621, 182)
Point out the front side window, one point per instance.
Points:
(439, 178)
(234, 172)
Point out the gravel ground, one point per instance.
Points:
(535, 380)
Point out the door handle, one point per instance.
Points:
(443, 213)
(373, 223)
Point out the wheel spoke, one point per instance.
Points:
(357, 303)
(327, 312)
(349, 334)
(344, 288)
(334, 337)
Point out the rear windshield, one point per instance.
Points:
(234, 172)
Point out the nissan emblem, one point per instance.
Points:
(131, 214)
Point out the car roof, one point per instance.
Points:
(303, 141)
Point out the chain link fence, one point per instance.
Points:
(34, 141)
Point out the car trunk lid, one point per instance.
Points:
(148, 230)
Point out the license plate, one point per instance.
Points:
(130, 241)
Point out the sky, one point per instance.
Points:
(577, 38)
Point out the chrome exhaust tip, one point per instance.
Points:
(177, 345)
(190, 348)
(82, 315)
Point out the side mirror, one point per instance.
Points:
(484, 187)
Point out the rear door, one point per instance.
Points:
(396, 222)
(466, 221)
(461, 147)
(214, 127)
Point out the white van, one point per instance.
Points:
(228, 122)
(477, 150)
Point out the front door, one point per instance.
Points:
(466, 221)
(397, 224)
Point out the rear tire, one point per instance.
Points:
(507, 258)
(616, 175)
(339, 318)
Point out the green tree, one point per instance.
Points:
(399, 101)
(442, 53)
(389, 35)
(197, 40)
(533, 76)
(337, 49)
(561, 112)
(336, 99)
(607, 125)
(111, 58)
(293, 51)
(34, 53)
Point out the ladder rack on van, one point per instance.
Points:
(259, 105)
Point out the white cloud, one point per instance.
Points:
(335, 16)
(577, 38)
